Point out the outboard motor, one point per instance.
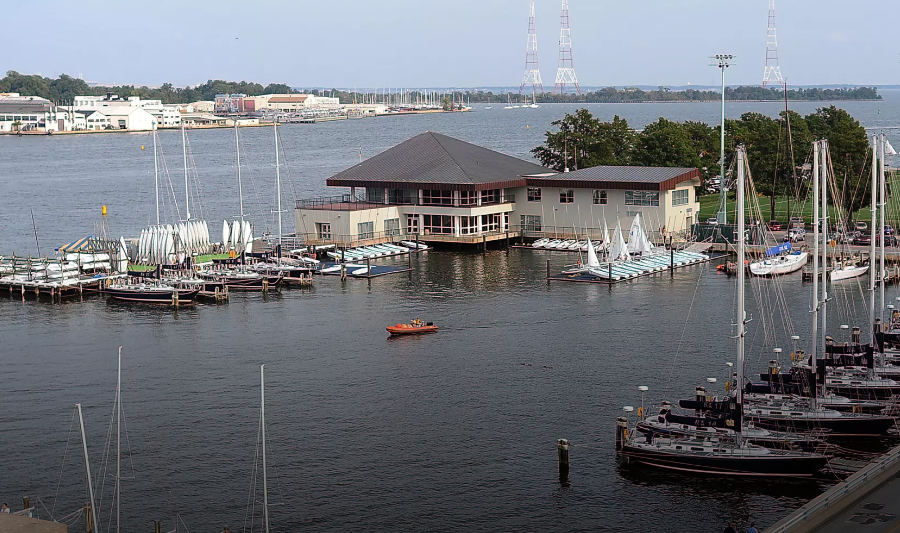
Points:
(700, 396)
(621, 432)
(855, 336)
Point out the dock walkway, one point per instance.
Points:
(869, 500)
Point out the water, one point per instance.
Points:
(448, 432)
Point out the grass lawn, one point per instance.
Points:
(709, 205)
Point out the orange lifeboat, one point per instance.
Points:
(413, 328)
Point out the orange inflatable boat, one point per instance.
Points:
(413, 328)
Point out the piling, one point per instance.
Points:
(26, 502)
(157, 526)
(548, 268)
(562, 453)
(88, 521)
(621, 432)
(483, 244)
(671, 254)
(343, 272)
(609, 266)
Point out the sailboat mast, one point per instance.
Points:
(237, 150)
(872, 273)
(741, 272)
(119, 441)
(156, 173)
(187, 193)
(262, 415)
(87, 467)
(882, 201)
(278, 190)
(815, 296)
(823, 161)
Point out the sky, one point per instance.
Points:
(431, 44)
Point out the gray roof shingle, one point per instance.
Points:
(438, 161)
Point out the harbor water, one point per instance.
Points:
(454, 431)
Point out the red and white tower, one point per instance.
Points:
(773, 71)
(565, 74)
(532, 64)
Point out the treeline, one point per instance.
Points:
(663, 94)
(65, 88)
(779, 162)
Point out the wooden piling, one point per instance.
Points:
(548, 269)
(483, 244)
(562, 453)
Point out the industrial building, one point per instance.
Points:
(442, 189)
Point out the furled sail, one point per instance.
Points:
(637, 239)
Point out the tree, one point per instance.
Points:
(583, 141)
(278, 88)
(849, 147)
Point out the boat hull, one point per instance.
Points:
(394, 330)
(765, 466)
(185, 296)
(779, 265)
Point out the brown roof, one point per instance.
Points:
(287, 99)
(618, 177)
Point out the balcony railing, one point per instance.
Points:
(347, 202)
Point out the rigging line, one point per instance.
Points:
(62, 466)
(174, 198)
(687, 318)
(194, 173)
(182, 523)
(251, 497)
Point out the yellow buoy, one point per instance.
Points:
(142, 147)
(103, 210)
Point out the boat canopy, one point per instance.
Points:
(780, 249)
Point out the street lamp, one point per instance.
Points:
(722, 61)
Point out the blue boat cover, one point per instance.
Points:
(780, 249)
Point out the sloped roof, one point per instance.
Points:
(435, 161)
(619, 177)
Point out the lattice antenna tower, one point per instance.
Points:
(532, 64)
(565, 74)
(773, 71)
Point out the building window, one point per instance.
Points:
(491, 196)
(681, 197)
(323, 230)
(491, 222)
(392, 226)
(566, 196)
(468, 197)
(435, 197)
(534, 194)
(438, 224)
(375, 196)
(642, 198)
(412, 224)
(366, 230)
(530, 222)
(600, 198)
(468, 225)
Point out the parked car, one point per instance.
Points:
(795, 235)
(846, 237)
(889, 240)
(797, 222)
(713, 221)
(861, 226)
(774, 225)
(862, 239)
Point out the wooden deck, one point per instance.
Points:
(10, 523)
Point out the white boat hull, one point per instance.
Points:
(776, 266)
(848, 272)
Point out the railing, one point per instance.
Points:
(595, 234)
(347, 202)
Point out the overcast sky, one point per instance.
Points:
(460, 43)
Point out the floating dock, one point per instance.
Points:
(624, 270)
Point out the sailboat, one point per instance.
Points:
(779, 260)
(710, 454)
(592, 261)
(534, 104)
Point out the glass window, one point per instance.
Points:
(642, 198)
(566, 196)
(491, 222)
(366, 230)
(681, 197)
(530, 222)
(392, 226)
(534, 194)
(600, 198)
(438, 224)
(323, 230)
(468, 225)
(435, 197)
(491, 196)
(375, 196)
(468, 197)
(412, 224)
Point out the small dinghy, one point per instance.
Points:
(413, 328)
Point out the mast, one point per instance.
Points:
(738, 390)
(823, 161)
(262, 415)
(882, 201)
(87, 467)
(237, 150)
(872, 273)
(156, 173)
(118, 440)
(815, 295)
(187, 193)
(278, 189)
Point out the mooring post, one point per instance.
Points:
(483, 244)
(88, 521)
(548, 269)
(562, 452)
(671, 254)
(609, 265)
(157, 526)
(343, 272)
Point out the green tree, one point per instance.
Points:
(584, 141)
(849, 147)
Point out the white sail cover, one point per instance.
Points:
(637, 239)
(123, 255)
(226, 232)
(592, 260)
(605, 235)
(619, 250)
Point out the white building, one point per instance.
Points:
(28, 113)
(166, 116)
(202, 106)
(129, 118)
(95, 120)
(442, 189)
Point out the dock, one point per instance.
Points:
(870, 497)
(610, 273)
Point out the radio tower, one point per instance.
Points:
(532, 65)
(565, 74)
(773, 71)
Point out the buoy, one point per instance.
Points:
(142, 147)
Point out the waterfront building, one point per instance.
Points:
(166, 116)
(33, 113)
(442, 189)
(201, 106)
(95, 120)
(128, 118)
(232, 103)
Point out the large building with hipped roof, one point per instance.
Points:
(444, 190)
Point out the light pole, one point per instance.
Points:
(722, 61)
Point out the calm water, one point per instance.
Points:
(450, 432)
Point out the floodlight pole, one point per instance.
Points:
(722, 61)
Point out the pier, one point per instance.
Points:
(870, 497)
